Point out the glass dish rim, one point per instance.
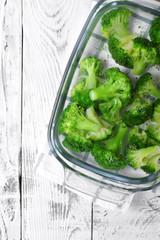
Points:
(79, 163)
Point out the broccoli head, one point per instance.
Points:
(137, 158)
(139, 139)
(144, 53)
(156, 111)
(145, 87)
(105, 129)
(152, 164)
(137, 112)
(77, 142)
(117, 85)
(121, 50)
(115, 22)
(110, 110)
(134, 52)
(73, 117)
(154, 31)
(93, 67)
(81, 95)
(109, 155)
(153, 131)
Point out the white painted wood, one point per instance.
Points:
(141, 221)
(49, 211)
(50, 30)
(10, 118)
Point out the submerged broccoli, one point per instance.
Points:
(139, 158)
(105, 129)
(115, 23)
(117, 85)
(153, 131)
(139, 139)
(110, 155)
(134, 52)
(137, 112)
(80, 93)
(145, 87)
(73, 118)
(156, 111)
(154, 31)
(77, 142)
(110, 110)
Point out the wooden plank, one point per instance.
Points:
(50, 32)
(141, 221)
(10, 118)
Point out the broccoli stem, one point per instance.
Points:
(104, 92)
(116, 142)
(91, 80)
(120, 29)
(84, 123)
(138, 67)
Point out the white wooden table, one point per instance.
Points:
(32, 62)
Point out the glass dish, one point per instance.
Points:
(81, 170)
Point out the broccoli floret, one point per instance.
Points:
(80, 93)
(110, 155)
(105, 129)
(77, 142)
(152, 164)
(156, 111)
(119, 54)
(137, 112)
(153, 131)
(137, 158)
(134, 52)
(73, 117)
(145, 87)
(144, 53)
(115, 22)
(139, 139)
(154, 31)
(117, 85)
(110, 110)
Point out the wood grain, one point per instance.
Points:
(10, 118)
(141, 221)
(49, 211)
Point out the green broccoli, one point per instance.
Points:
(139, 139)
(117, 85)
(115, 23)
(145, 87)
(121, 52)
(109, 155)
(73, 117)
(152, 164)
(156, 111)
(137, 158)
(105, 129)
(134, 52)
(153, 131)
(145, 53)
(137, 112)
(154, 31)
(77, 142)
(110, 110)
(80, 93)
